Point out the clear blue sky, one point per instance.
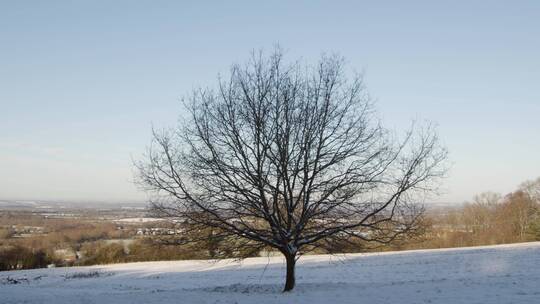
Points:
(81, 83)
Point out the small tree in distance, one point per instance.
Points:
(290, 157)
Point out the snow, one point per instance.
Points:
(490, 274)
(139, 220)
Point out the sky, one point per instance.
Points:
(83, 82)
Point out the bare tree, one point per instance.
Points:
(532, 189)
(290, 157)
(478, 216)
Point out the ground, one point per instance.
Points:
(490, 274)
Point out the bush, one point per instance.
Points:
(18, 257)
(101, 253)
(5, 233)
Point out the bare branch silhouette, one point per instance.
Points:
(291, 157)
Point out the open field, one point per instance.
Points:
(489, 274)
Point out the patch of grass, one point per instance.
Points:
(13, 281)
(87, 275)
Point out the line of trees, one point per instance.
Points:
(21, 257)
(488, 219)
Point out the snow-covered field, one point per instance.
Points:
(491, 274)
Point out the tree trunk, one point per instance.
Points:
(291, 263)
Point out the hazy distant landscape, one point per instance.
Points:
(39, 234)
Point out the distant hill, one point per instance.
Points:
(43, 204)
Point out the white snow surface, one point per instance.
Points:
(488, 274)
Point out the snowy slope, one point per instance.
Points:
(491, 274)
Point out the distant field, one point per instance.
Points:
(490, 274)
